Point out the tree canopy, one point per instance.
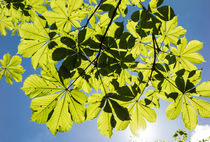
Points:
(99, 63)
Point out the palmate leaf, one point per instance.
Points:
(138, 114)
(186, 54)
(101, 55)
(111, 113)
(11, 68)
(53, 103)
(188, 105)
(170, 33)
(66, 14)
(35, 41)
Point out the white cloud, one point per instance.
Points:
(200, 132)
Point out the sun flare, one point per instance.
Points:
(148, 134)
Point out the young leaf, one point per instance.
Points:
(185, 57)
(11, 68)
(170, 32)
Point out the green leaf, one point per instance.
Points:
(155, 3)
(66, 14)
(165, 13)
(42, 107)
(204, 89)
(121, 125)
(93, 110)
(121, 112)
(170, 32)
(180, 83)
(137, 120)
(189, 115)
(174, 109)
(201, 106)
(131, 26)
(193, 46)
(79, 96)
(61, 118)
(36, 86)
(35, 41)
(185, 58)
(11, 68)
(104, 124)
(77, 110)
(148, 113)
(54, 103)
(5, 23)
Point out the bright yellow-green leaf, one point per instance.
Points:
(42, 107)
(195, 58)
(124, 77)
(201, 106)
(137, 121)
(193, 46)
(155, 3)
(36, 86)
(204, 89)
(170, 32)
(94, 98)
(5, 22)
(61, 118)
(11, 68)
(104, 124)
(54, 103)
(186, 56)
(93, 110)
(35, 41)
(37, 5)
(174, 109)
(131, 26)
(121, 125)
(77, 111)
(79, 96)
(148, 113)
(66, 14)
(189, 115)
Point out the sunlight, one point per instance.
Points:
(147, 135)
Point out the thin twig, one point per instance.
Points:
(98, 6)
(88, 20)
(100, 46)
(103, 38)
(153, 65)
(101, 80)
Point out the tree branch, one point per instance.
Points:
(100, 46)
(153, 64)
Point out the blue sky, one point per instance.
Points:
(15, 124)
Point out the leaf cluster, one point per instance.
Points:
(84, 47)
